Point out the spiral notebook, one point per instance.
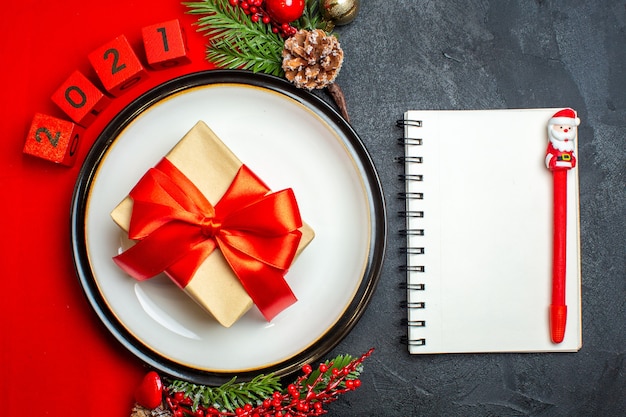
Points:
(479, 233)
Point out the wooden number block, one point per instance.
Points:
(117, 66)
(53, 139)
(80, 99)
(165, 45)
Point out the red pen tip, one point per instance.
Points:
(558, 317)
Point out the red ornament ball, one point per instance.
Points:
(285, 11)
(150, 392)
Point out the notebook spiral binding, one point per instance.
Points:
(413, 286)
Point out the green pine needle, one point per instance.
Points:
(244, 55)
(230, 395)
(235, 41)
(339, 362)
(312, 18)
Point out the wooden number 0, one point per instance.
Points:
(74, 144)
(71, 101)
(115, 68)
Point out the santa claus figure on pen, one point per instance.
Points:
(562, 132)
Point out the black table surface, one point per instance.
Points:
(491, 54)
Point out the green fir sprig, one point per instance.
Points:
(230, 395)
(264, 395)
(340, 362)
(312, 18)
(238, 42)
(235, 41)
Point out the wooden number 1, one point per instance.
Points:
(165, 45)
(163, 33)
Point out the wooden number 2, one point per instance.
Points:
(54, 140)
(115, 67)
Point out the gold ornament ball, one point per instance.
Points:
(340, 12)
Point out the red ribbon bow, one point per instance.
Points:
(177, 228)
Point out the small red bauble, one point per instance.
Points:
(149, 393)
(285, 11)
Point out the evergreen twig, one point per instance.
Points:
(235, 41)
(264, 395)
(238, 42)
(339, 362)
(230, 395)
(312, 18)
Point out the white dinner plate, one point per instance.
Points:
(290, 139)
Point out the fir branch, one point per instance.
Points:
(339, 363)
(230, 395)
(245, 55)
(263, 395)
(312, 18)
(235, 41)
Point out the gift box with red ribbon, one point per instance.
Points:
(208, 222)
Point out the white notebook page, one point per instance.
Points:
(487, 204)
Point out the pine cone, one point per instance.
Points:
(160, 411)
(312, 59)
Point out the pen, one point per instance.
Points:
(560, 159)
